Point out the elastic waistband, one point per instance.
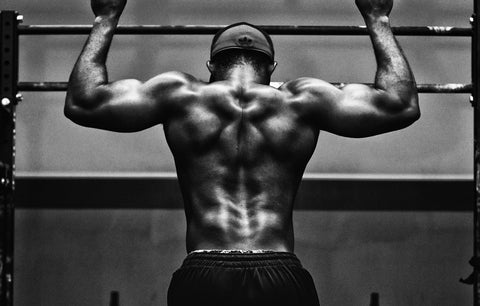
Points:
(234, 258)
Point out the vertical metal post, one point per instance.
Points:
(476, 146)
(8, 100)
(114, 298)
(374, 299)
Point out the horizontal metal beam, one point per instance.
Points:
(314, 194)
(422, 88)
(271, 29)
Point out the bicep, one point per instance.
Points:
(358, 110)
(126, 105)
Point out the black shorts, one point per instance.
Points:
(234, 278)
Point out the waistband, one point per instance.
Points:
(240, 258)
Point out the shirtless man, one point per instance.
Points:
(241, 147)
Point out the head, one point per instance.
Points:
(241, 44)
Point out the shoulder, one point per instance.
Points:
(172, 80)
(309, 87)
(305, 83)
(168, 88)
(311, 90)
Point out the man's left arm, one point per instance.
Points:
(358, 110)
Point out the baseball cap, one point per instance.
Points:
(242, 35)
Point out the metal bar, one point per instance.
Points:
(476, 133)
(362, 193)
(8, 92)
(422, 88)
(271, 29)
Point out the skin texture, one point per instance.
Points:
(241, 146)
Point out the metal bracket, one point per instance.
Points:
(475, 263)
(5, 182)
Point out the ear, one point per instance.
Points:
(210, 66)
(272, 67)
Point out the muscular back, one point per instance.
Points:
(240, 150)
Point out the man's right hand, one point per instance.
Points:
(374, 8)
(108, 8)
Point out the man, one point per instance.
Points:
(241, 147)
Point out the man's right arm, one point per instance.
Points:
(124, 105)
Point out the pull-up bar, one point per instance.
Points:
(422, 88)
(270, 29)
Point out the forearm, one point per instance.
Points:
(393, 71)
(90, 70)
